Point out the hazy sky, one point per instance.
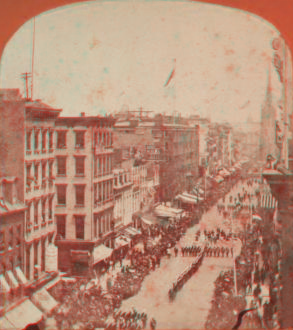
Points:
(107, 56)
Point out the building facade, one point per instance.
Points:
(27, 145)
(84, 188)
(12, 220)
(170, 142)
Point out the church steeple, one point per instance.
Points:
(267, 133)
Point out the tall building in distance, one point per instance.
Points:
(168, 141)
(84, 187)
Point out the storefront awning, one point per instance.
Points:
(147, 221)
(24, 314)
(224, 172)
(121, 241)
(101, 252)
(186, 199)
(44, 301)
(5, 324)
(4, 286)
(11, 280)
(219, 179)
(20, 276)
(132, 232)
(165, 211)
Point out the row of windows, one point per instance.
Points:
(33, 209)
(11, 237)
(62, 165)
(103, 165)
(33, 172)
(39, 139)
(100, 139)
(103, 191)
(102, 224)
(62, 194)
(11, 263)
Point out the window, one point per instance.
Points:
(10, 238)
(29, 178)
(18, 235)
(36, 247)
(36, 212)
(44, 140)
(36, 140)
(61, 166)
(61, 225)
(28, 140)
(79, 139)
(50, 208)
(79, 195)
(79, 166)
(61, 139)
(79, 226)
(50, 140)
(44, 210)
(36, 173)
(61, 194)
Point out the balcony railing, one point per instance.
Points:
(37, 187)
(36, 152)
(50, 150)
(44, 184)
(28, 152)
(44, 151)
(28, 189)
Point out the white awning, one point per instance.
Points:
(166, 211)
(131, 231)
(121, 241)
(11, 280)
(101, 252)
(186, 199)
(4, 286)
(5, 324)
(219, 179)
(44, 301)
(24, 314)
(186, 194)
(20, 276)
(146, 221)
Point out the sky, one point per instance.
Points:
(104, 57)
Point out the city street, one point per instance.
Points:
(191, 305)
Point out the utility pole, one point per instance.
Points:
(26, 77)
(33, 57)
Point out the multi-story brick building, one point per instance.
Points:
(170, 142)
(123, 193)
(28, 149)
(12, 217)
(84, 186)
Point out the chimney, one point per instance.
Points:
(82, 114)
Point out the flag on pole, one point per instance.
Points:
(171, 75)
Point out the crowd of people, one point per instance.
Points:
(128, 320)
(184, 277)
